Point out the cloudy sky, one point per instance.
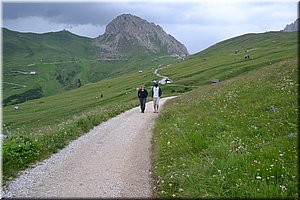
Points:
(197, 24)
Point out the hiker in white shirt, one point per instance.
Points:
(156, 93)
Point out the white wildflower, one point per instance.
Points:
(256, 161)
(282, 187)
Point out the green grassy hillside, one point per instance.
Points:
(221, 62)
(60, 59)
(234, 139)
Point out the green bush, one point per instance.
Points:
(19, 151)
(35, 93)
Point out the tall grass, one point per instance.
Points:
(235, 139)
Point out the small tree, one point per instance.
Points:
(78, 83)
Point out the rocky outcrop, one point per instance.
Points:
(128, 33)
(292, 27)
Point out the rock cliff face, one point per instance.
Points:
(292, 27)
(128, 34)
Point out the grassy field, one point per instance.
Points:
(234, 139)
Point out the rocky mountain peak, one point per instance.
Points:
(292, 27)
(125, 23)
(129, 31)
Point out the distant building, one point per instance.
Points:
(165, 80)
(32, 73)
(215, 81)
(168, 81)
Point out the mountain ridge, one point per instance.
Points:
(292, 27)
(136, 32)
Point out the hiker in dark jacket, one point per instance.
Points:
(142, 94)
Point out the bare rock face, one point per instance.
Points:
(292, 27)
(128, 33)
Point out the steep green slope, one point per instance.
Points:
(221, 62)
(234, 139)
(50, 55)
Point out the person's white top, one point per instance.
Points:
(155, 92)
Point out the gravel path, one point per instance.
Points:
(112, 160)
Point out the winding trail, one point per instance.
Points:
(112, 160)
(15, 84)
(164, 78)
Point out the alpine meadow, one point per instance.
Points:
(236, 138)
(231, 132)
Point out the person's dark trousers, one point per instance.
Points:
(143, 104)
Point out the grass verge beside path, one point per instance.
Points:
(237, 138)
(21, 149)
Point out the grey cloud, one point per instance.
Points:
(68, 13)
(100, 13)
(194, 23)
